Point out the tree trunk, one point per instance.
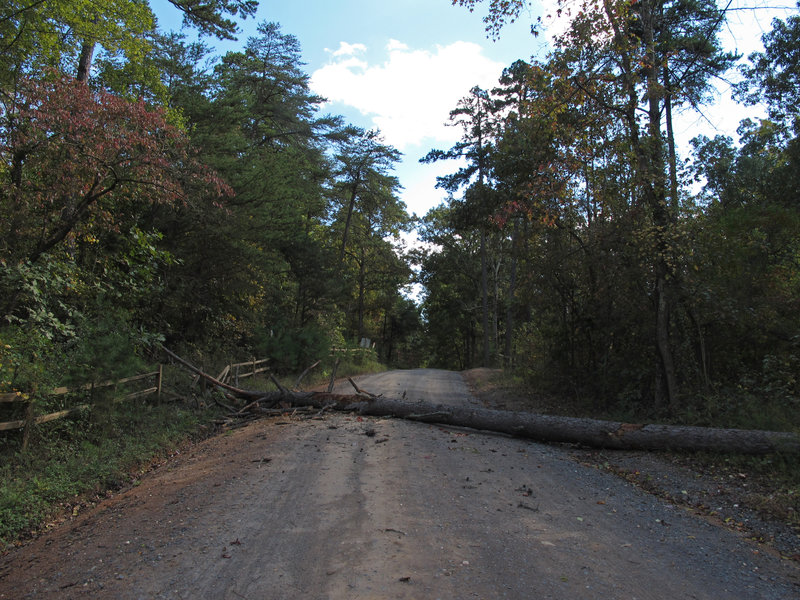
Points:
(545, 428)
(671, 155)
(362, 276)
(510, 302)
(85, 61)
(496, 303)
(542, 428)
(484, 299)
(653, 169)
(350, 208)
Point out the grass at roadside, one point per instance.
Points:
(72, 461)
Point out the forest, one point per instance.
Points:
(152, 192)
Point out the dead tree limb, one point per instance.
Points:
(278, 385)
(359, 390)
(332, 381)
(246, 394)
(304, 373)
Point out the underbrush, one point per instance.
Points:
(742, 408)
(350, 365)
(87, 455)
(747, 405)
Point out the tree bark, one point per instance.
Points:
(656, 194)
(510, 303)
(484, 300)
(350, 208)
(546, 428)
(85, 61)
(671, 154)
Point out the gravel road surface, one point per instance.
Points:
(342, 507)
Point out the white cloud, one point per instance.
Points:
(346, 49)
(410, 94)
(396, 45)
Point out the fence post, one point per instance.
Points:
(26, 432)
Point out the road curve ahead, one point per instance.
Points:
(340, 507)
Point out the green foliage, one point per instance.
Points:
(773, 75)
(357, 361)
(210, 17)
(38, 36)
(293, 350)
(68, 466)
(607, 279)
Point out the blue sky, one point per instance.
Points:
(402, 65)
(398, 65)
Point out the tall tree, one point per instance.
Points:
(64, 171)
(474, 114)
(64, 34)
(364, 164)
(258, 125)
(450, 274)
(634, 49)
(367, 214)
(773, 76)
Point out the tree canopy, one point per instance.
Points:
(152, 190)
(162, 193)
(639, 275)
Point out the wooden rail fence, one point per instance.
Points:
(31, 420)
(234, 372)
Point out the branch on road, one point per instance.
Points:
(541, 428)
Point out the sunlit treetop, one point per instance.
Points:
(208, 16)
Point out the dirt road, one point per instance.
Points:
(346, 508)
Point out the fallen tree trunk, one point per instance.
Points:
(547, 428)
(542, 428)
